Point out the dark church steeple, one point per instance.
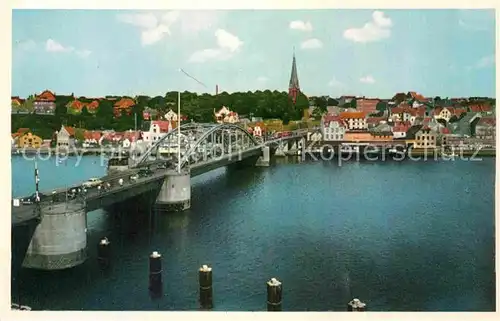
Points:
(293, 87)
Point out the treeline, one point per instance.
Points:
(199, 108)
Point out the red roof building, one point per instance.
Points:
(367, 105)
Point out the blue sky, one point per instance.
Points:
(374, 53)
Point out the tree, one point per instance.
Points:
(442, 121)
(332, 102)
(353, 103)
(381, 106)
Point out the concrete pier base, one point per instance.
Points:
(263, 160)
(60, 240)
(175, 193)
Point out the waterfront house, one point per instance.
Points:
(485, 128)
(400, 128)
(130, 138)
(358, 136)
(91, 138)
(354, 120)
(109, 138)
(367, 105)
(45, 103)
(425, 138)
(28, 140)
(314, 136)
(124, 105)
(333, 127)
(224, 115)
(156, 130)
(65, 136)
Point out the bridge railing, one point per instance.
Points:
(79, 190)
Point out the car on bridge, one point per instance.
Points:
(145, 172)
(92, 182)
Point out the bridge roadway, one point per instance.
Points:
(116, 193)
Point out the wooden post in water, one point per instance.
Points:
(274, 290)
(356, 306)
(104, 252)
(206, 294)
(155, 273)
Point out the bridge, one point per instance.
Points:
(161, 171)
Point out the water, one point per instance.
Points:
(401, 236)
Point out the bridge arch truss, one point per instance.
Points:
(199, 142)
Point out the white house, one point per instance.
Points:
(354, 120)
(333, 128)
(314, 136)
(65, 136)
(425, 138)
(443, 113)
(224, 115)
(257, 131)
(157, 129)
(171, 115)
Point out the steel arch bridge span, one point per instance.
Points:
(200, 142)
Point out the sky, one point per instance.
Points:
(372, 53)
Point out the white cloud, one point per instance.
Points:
(26, 45)
(377, 29)
(301, 25)
(142, 20)
(150, 36)
(334, 83)
(226, 40)
(262, 79)
(313, 43)
(156, 27)
(194, 21)
(83, 53)
(228, 44)
(367, 79)
(209, 54)
(153, 28)
(485, 62)
(56, 47)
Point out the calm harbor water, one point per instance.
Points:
(401, 236)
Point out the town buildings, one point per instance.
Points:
(45, 103)
(224, 115)
(333, 128)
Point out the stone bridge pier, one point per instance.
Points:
(60, 240)
(175, 193)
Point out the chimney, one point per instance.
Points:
(216, 89)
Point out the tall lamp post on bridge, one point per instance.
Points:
(179, 118)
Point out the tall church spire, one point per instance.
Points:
(293, 87)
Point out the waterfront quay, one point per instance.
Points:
(249, 227)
